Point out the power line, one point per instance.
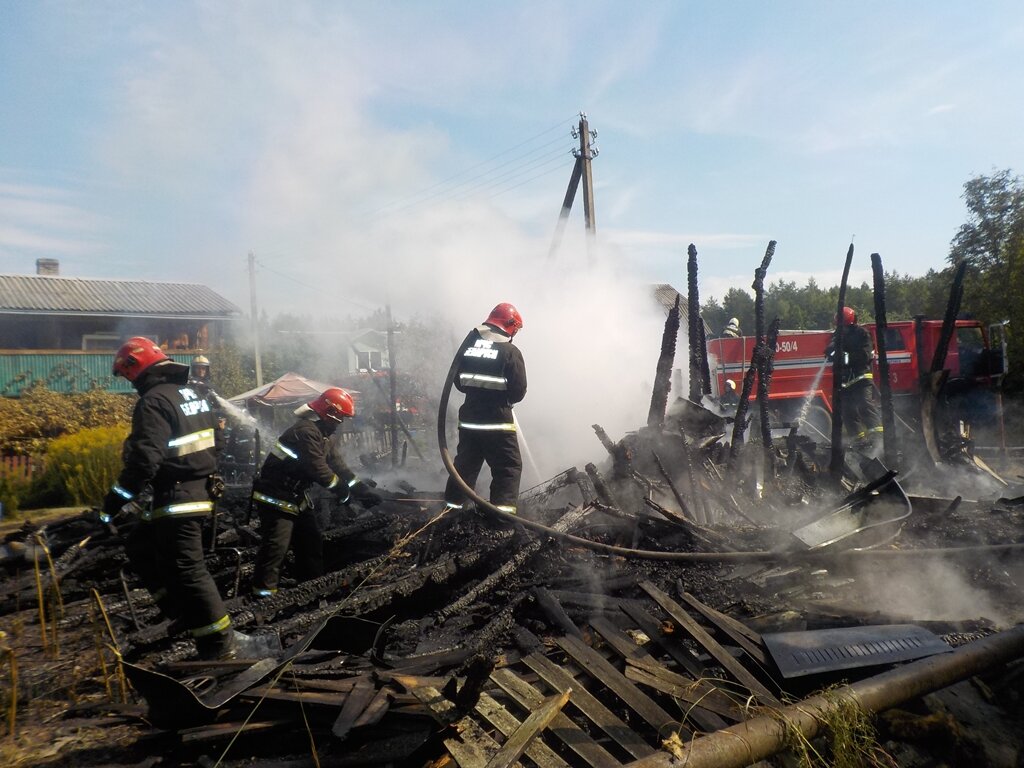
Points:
(409, 199)
(450, 190)
(556, 158)
(320, 290)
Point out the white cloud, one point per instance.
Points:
(45, 221)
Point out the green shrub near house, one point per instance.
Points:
(87, 462)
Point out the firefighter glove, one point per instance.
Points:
(215, 486)
(116, 509)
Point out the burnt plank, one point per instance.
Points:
(598, 713)
(637, 700)
(357, 700)
(740, 634)
(499, 717)
(271, 693)
(718, 653)
(554, 611)
(228, 730)
(635, 656)
(524, 738)
(376, 709)
(473, 746)
(651, 628)
(574, 737)
(681, 687)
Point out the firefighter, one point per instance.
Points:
(302, 456)
(200, 380)
(729, 395)
(861, 415)
(168, 481)
(732, 329)
(492, 374)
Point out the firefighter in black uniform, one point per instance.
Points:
(168, 479)
(303, 455)
(861, 415)
(492, 374)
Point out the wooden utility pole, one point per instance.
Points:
(255, 319)
(581, 171)
(586, 154)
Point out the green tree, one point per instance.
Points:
(991, 241)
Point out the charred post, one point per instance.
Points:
(694, 323)
(663, 374)
(889, 448)
(838, 366)
(764, 380)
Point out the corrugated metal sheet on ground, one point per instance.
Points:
(829, 650)
(62, 372)
(47, 294)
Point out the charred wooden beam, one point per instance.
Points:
(890, 448)
(838, 366)
(695, 330)
(663, 371)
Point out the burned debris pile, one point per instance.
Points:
(699, 596)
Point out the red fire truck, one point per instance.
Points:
(801, 385)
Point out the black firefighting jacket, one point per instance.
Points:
(860, 352)
(171, 446)
(303, 455)
(492, 374)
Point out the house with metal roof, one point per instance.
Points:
(62, 330)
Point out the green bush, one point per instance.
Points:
(11, 491)
(87, 462)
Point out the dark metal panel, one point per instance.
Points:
(830, 650)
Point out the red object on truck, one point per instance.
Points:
(802, 380)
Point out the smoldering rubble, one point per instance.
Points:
(708, 580)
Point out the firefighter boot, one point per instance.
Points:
(218, 646)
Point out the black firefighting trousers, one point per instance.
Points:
(862, 418)
(167, 553)
(500, 449)
(280, 530)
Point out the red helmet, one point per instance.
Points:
(506, 317)
(849, 317)
(334, 404)
(135, 356)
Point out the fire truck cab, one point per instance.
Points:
(801, 385)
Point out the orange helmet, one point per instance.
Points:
(849, 317)
(135, 356)
(334, 404)
(506, 317)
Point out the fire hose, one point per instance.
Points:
(650, 554)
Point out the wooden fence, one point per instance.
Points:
(19, 468)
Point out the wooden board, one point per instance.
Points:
(562, 728)
(597, 666)
(597, 712)
(718, 653)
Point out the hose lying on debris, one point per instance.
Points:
(650, 554)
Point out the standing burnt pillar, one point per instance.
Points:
(700, 373)
(890, 450)
(764, 381)
(837, 458)
(756, 358)
(663, 375)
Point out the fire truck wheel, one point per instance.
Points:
(817, 425)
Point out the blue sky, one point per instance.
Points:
(166, 140)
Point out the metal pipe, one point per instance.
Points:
(760, 737)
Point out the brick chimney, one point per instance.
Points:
(47, 266)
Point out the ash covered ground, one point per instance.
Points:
(469, 607)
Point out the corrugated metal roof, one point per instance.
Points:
(45, 294)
